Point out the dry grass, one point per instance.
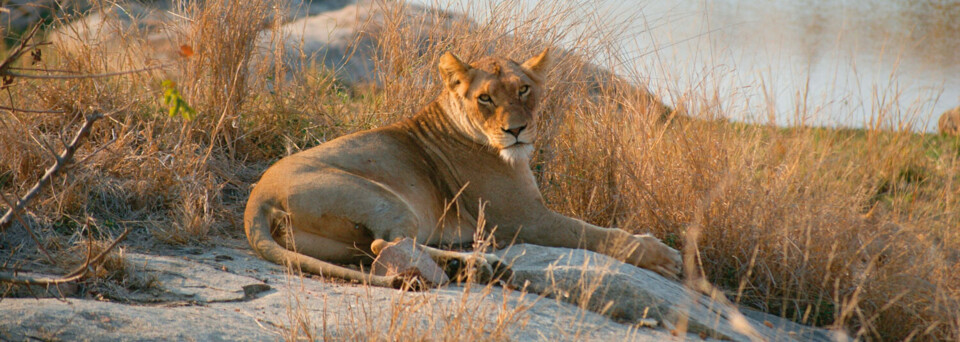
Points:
(844, 228)
(478, 314)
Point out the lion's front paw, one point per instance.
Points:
(654, 255)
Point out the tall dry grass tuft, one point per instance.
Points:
(224, 35)
(179, 179)
(217, 73)
(834, 227)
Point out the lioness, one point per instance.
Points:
(341, 202)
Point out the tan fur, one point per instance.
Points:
(332, 202)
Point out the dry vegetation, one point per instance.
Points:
(846, 228)
(479, 313)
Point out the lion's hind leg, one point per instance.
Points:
(463, 266)
(323, 248)
(467, 266)
(335, 215)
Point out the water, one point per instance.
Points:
(814, 62)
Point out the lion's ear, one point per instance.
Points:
(453, 71)
(540, 64)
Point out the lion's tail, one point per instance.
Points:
(257, 221)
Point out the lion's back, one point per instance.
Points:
(381, 154)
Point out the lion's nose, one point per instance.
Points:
(515, 131)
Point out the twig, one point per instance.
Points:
(38, 111)
(61, 160)
(45, 70)
(19, 50)
(70, 77)
(79, 272)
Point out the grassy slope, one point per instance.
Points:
(848, 227)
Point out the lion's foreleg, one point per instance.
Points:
(555, 230)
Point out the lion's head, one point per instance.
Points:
(495, 101)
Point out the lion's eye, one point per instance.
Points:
(484, 98)
(524, 89)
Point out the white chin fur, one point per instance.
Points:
(516, 154)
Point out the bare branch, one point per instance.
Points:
(19, 50)
(45, 70)
(83, 76)
(38, 111)
(61, 160)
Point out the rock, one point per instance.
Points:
(304, 8)
(88, 320)
(127, 35)
(331, 38)
(236, 296)
(22, 14)
(345, 39)
(179, 279)
(404, 257)
(142, 33)
(341, 35)
(226, 293)
(799, 331)
(631, 294)
(949, 123)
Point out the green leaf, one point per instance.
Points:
(187, 112)
(172, 98)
